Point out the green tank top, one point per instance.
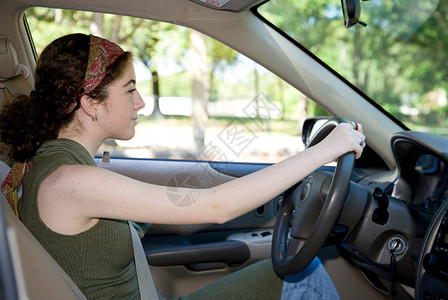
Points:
(99, 260)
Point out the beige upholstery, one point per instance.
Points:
(8, 59)
(38, 276)
(12, 73)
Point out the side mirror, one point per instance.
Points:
(351, 10)
(310, 126)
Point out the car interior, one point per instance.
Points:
(388, 238)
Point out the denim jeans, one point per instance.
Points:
(313, 283)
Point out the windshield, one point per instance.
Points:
(399, 60)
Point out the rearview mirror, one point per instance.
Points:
(351, 10)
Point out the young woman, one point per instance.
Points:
(85, 93)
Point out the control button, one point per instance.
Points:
(265, 233)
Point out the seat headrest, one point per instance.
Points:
(9, 64)
(12, 74)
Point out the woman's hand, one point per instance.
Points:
(346, 137)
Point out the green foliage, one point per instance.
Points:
(163, 48)
(176, 84)
(48, 24)
(399, 59)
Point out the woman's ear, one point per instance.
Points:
(89, 106)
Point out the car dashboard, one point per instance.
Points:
(425, 170)
(432, 184)
(423, 163)
(405, 255)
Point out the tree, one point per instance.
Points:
(201, 86)
(207, 56)
(145, 44)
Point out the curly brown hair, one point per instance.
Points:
(29, 121)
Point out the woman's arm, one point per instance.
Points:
(77, 192)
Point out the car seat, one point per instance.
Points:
(37, 275)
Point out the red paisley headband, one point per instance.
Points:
(102, 53)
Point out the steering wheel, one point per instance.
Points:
(311, 209)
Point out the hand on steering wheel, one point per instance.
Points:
(309, 212)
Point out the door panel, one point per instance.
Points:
(184, 258)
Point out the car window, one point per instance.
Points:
(203, 100)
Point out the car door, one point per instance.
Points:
(184, 258)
